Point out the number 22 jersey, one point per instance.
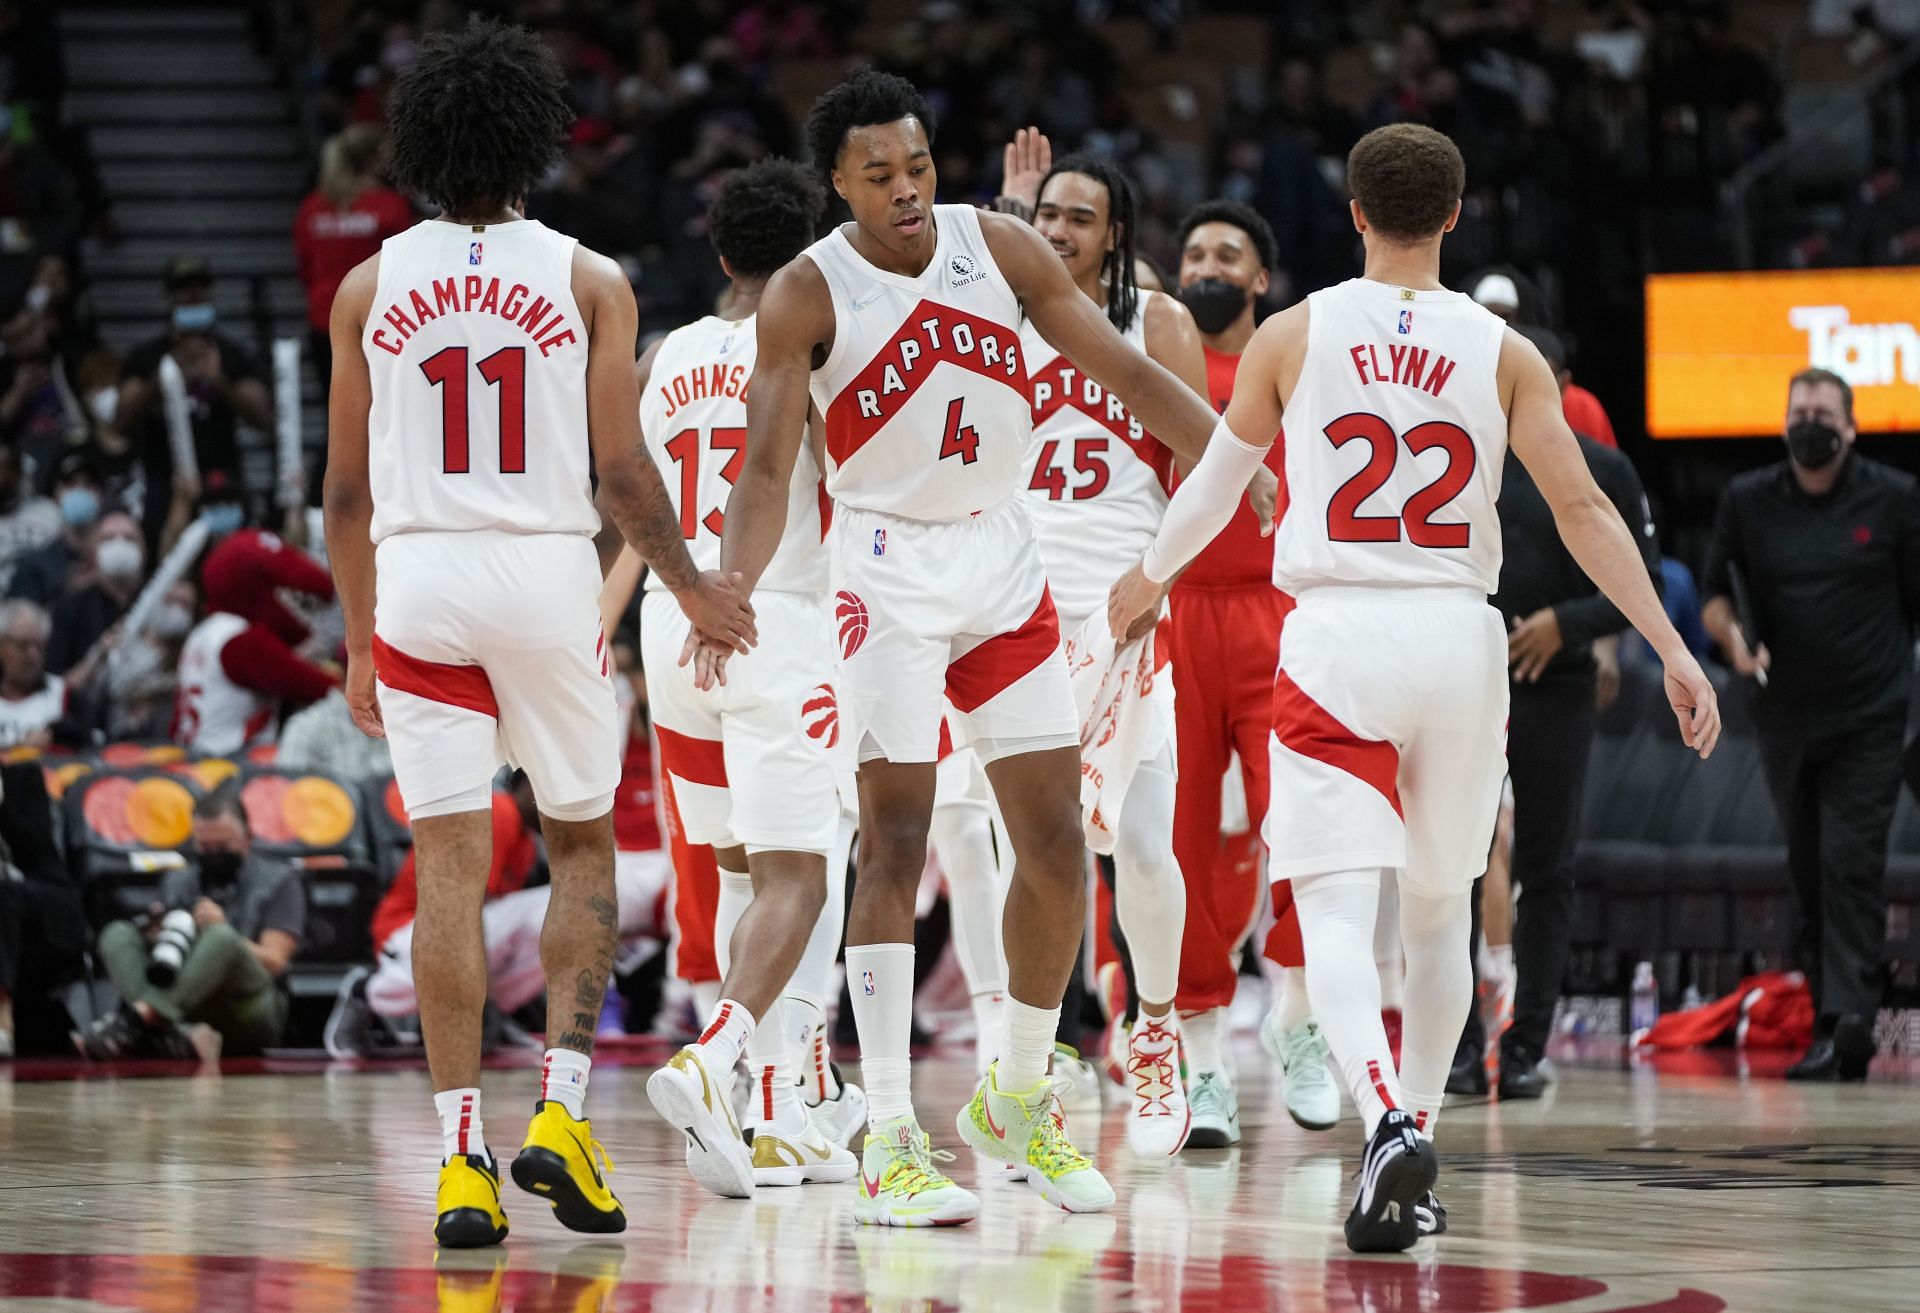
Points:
(477, 359)
(1396, 439)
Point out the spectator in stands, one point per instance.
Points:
(27, 523)
(249, 917)
(84, 620)
(225, 387)
(1554, 616)
(46, 574)
(33, 703)
(40, 209)
(323, 737)
(342, 222)
(141, 681)
(43, 924)
(40, 416)
(1813, 583)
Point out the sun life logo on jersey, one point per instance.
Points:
(850, 613)
(820, 716)
(964, 269)
(473, 252)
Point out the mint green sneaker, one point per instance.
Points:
(1028, 1130)
(901, 1183)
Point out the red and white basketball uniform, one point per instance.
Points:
(1390, 703)
(487, 630)
(762, 760)
(938, 585)
(1099, 485)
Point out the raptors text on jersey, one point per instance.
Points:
(477, 360)
(1395, 442)
(694, 417)
(925, 388)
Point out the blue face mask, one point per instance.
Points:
(224, 518)
(197, 318)
(79, 507)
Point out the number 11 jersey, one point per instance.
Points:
(694, 416)
(477, 358)
(1395, 441)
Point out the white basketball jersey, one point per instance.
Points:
(924, 390)
(479, 366)
(1395, 441)
(694, 416)
(1099, 482)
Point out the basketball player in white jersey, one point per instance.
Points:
(1390, 701)
(904, 325)
(483, 372)
(760, 765)
(1099, 483)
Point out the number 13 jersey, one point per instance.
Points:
(925, 388)
(694, 416)
(1395, 440)
(477, 360)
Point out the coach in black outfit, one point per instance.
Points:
(1554, 614)
(1828, 544)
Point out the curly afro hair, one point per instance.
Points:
(1244, 217)
(1407, 178)
(479, 117)
(866, 98)
(763, 216)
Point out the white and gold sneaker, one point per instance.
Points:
(798, 1155)
(699, 1104)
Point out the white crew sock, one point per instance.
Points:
(1204, 1033)
(563, 1080)
(1026, 1045)
(987, 1013)
(460, 1130)
(725, 1038)
(880, 982)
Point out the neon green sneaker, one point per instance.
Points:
(1028, 1130)
(901, 1183)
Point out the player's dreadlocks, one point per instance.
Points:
(866, 98)
(1123, 294)
(478, 118)
(763, 216)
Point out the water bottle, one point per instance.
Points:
(1645, 1007)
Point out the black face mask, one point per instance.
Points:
(1812, 444)
(218, 870)
(1215, 303)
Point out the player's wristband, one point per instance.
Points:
(1204, 503)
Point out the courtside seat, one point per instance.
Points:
(316, 824)
(125, 828)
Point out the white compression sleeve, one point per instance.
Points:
(1204, 502)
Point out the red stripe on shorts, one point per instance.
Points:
(697, 761)
(997, 664)
(436, 681)
(1310, 730)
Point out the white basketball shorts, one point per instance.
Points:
(932, 613)
(1389, 735)
(765, 759)
(487, 648)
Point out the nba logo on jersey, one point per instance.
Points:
(866, 982)
(1406, 321)
(473, 252)
(879, 542)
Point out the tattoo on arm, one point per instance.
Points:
(647, 520)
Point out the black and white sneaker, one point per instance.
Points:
(1396, 1175)
(1430, 1215)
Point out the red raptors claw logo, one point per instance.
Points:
(850, 613)
(820, 716)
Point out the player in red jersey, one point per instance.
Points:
(1390, 699)
(1225, 640)
(483, 365)
(904, 327)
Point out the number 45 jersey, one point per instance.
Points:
(477, 358)
(694, 416)
(1395, 440)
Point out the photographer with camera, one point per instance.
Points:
(202, 975)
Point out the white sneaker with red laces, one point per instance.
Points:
(1158, 1120)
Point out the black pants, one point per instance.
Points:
(1835, 790)
(1548, 740)
(43, 933)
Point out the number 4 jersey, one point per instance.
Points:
(478, 364)
(1395, 440)
(694, 416)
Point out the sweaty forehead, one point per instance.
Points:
(1220, 238)
(873, 145)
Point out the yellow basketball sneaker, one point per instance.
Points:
(1028, 1130)
(562, 1163)
(901, 1183)
(699, 1105)
(469, 1204)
